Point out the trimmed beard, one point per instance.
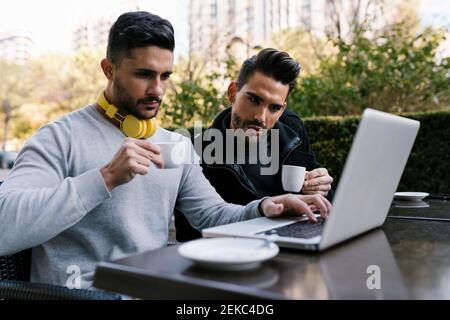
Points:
(127, 103)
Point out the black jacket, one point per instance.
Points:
(234, 186)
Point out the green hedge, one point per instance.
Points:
(428, 167)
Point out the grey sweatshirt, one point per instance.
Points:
(56, 201)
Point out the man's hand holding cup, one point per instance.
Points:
(134, 157)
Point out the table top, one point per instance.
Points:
(429, 209)
(405, 259)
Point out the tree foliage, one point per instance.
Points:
(48, 87)
(396, 69)
(393, 72)
(195, 94)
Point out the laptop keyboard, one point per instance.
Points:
(302, 229)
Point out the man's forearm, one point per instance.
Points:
(31, 216)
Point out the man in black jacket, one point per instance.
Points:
(258, 107)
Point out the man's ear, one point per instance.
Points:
(282, 111)
(108, 68)
(232, 90)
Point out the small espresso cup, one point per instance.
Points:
(173, 153)
(292, 178)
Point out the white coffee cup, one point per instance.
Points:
(173, 153)
(292, 178)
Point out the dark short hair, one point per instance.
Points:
(136, 30)
(275, 64)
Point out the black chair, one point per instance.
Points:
(15, 285)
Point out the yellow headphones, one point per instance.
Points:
(130, 125)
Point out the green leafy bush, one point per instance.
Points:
(393, 72)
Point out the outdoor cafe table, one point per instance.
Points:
(411, 255)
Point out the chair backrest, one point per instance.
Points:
(16, 266)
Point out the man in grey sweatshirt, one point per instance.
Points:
(82, 192)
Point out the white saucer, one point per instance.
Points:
(411, 204)
(228, 253)
(410, 196)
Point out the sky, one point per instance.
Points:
(52, 21)
(435, 12)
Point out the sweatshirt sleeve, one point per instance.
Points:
(203, 206)
(40, 199)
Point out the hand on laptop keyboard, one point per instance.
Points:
(289, 204)
(301, 229)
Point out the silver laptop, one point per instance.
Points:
(373, 169)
